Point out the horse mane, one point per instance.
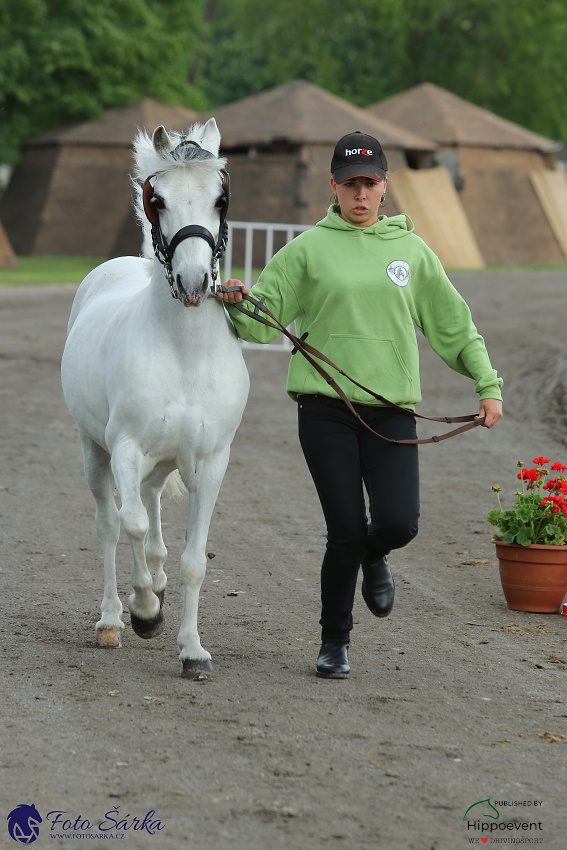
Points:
(148, 161)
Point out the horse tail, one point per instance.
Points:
(174, 486)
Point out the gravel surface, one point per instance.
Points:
(452, 700)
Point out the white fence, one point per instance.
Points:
(267, 232)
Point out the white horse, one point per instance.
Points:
(158, 383)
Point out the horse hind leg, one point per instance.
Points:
(155, 549)
(146, 615)
(110, 627)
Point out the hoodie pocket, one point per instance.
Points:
(376, 363)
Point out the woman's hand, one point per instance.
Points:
(235, 296)
(491, 409)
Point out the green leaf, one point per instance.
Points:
(525, 537)
(525, 513)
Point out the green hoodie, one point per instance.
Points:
(358, 291)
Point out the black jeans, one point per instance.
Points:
(342, 454)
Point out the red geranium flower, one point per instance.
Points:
(558, 503)
(539, 514)
(549, 501)
(553, 485)
(528, 474)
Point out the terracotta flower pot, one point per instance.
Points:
(534, 578)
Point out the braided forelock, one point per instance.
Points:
(186, 149)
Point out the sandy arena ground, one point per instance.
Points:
(449, 699)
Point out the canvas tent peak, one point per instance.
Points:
(447, 119)
(119, 126)
(499, 169)
(299, 112)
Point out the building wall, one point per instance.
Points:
(262, 186)
(76, 200)
(21, 205)
(88, 200)
(505, 214)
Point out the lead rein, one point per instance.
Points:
(310, 353)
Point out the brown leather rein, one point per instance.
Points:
(311, 354)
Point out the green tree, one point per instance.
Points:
(63, 61)
(508, 57)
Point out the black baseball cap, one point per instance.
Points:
(358, 155)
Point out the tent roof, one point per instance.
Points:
(300, 112)
(119, 126)
(449, 120)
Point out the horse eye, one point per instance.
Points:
(158, 202)
(220, 202)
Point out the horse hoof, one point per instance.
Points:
(109, 636)
(148, 628)
(196, 669)
(160, 596)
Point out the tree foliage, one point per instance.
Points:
(508, 57)
(63, 61)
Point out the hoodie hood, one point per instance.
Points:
(387, 227)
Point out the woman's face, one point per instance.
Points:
(359, 199)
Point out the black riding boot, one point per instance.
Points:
(377, 585)
(332, 662)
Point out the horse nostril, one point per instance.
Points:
(205, 282)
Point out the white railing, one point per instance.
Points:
(268, 230)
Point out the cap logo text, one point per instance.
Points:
(365, 151)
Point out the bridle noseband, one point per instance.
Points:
(164, 250)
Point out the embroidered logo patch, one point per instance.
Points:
(399, 272)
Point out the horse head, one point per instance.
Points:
(185, 194)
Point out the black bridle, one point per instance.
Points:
(164, 250)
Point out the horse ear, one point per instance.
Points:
(211, 137)
(161, 141)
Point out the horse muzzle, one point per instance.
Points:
(192, 296)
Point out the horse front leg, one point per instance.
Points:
(129, 468)
(204, 490)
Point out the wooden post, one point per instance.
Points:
(8, 259)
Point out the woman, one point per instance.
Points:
(357, 283)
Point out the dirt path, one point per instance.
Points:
(447, 700)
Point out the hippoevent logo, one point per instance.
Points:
(483, 822)
(24, 821)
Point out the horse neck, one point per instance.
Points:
(204, 323)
